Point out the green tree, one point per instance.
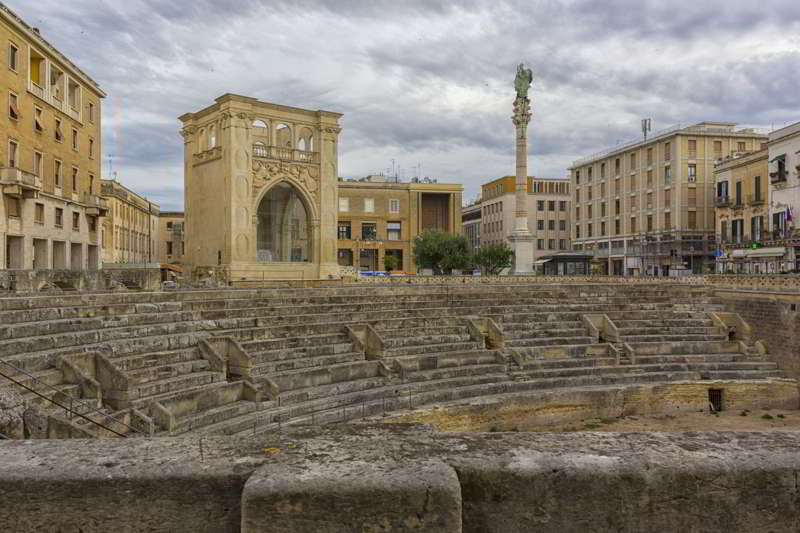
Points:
(492, 258)
(441, 251)
(389, 262)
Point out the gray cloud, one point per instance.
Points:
(427, 81)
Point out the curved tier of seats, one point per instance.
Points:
(250, 360)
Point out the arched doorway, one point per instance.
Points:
(284, 228)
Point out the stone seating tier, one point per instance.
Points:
(309, 368)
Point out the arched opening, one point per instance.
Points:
(305, 140)
(260, 149)
(212, 137)
(201, 140)
(284, 228)
(258, 123)
(283, 136)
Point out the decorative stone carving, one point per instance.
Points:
(267, 172)
(208, 155)
(188, 131)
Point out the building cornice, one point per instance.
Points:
(28, 31)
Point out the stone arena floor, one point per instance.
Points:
(746, 420)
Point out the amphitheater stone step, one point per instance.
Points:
(216, 415)
(454, 335)
(287, 353)
(512, 333)
(153, 390)
(433, 361)
(549, 341)
(152, 359)
(424, 331)
(300, 361)
(432, 348)
(454, 372)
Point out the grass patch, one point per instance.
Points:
(591, 426)
(781, 416)
(607, 421)
(767, 416)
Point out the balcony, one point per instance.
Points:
(755, 199)
(19, 183)
(777, 176)
(285, 154)
(722, 201)
(37, 90)
(73, 112)
(95, 205)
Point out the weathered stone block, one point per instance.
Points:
(357, 496)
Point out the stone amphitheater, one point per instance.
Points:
(268, 364)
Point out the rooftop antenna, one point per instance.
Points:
(645, 127)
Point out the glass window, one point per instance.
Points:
(540, 205)
(284, 231)
(344, 230)
(369, 205)
(394, 206)
(540, 225)
(369, 231)
(551, 205)
(393, 231)
(344, 204)
(13, 57)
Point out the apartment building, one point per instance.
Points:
(171, 235)
(742, 213)
(50, 155)
(471, 225)
(784, 187)
(130, 230)
(647, 207)
(549, 208)
(378, 219)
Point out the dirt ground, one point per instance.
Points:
(757, 420)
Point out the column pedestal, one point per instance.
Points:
(523, 253)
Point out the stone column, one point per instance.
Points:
(521, 238)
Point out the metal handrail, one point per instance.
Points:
(72, 401)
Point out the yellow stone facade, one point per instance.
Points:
(171, 235)
(50, 155)
(260, 190)
(742, 207)
(131, 228)
(648, 206)
(376, 219)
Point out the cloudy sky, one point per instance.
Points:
(424, 81)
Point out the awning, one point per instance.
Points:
(541, 261)
(777, 251)
(778, 158)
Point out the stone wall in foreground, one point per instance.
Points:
(406, 478)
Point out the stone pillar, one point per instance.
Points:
(521, 238)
